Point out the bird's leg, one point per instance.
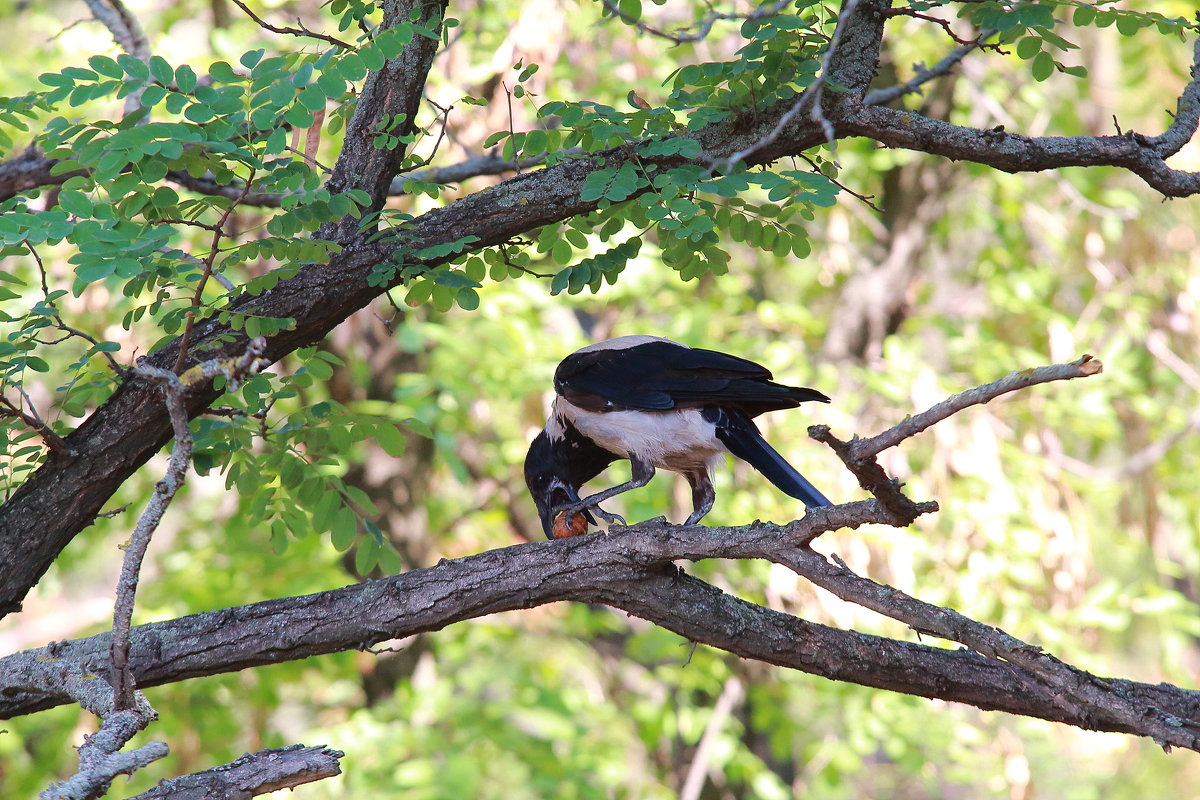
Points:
(703, 495)
(642, 472)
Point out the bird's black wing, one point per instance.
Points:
(659, 375)
(739, 433)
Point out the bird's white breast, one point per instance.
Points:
(680, 441)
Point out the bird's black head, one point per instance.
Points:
(546, 476)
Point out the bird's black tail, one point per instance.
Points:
(741, 436)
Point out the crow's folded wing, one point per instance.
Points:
(662, 375)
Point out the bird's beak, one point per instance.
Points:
(560, 494)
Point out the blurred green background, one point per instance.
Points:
(1069, 511)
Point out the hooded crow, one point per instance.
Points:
(661, 405)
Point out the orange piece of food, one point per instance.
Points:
(569, 525)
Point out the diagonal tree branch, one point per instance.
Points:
(390, 100)
(301, 31)
(252, 775)
(924, 74)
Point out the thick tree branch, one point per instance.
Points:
(390, 100)
(1014, 152)
(628, 570)
(252, 775)
(101, 757)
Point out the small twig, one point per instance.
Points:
(197, 297)
(511, 129)
(309, 160)
(194, 223)
(878, 97)
(702, 27)
(64, 327)
(732, 693)
(116, 512)
(864, 198)
(445, 112)
(1083, 367)
(504, 256)
(810, 97)
(859, 454)
(301, 31)
(51, 439)
(944, 24)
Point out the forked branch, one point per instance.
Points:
(625, 570)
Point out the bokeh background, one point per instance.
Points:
(1069, 511)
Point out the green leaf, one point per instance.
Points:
(248, 60)
(467, 299)
(1029, 47)
(161, 70)
(1128, 25)
(495, 138)
(312, 98)
(391, 440)
(1043, 66)
(106, 67)
(134, 67)
(366, 557)
(344, 529)
(418, 293)
(75, 202)
(96, 270)
(185, 79)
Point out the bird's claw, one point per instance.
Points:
(609, 518)
(576, 508)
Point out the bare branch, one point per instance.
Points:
(702, 27)
(135, 550)
(30, 417)
(879, 97)
(301, 31)
(624, 570)
(1068, 686)
(173, 388)
(1083, 367)
(251, 775)
(100, 755)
